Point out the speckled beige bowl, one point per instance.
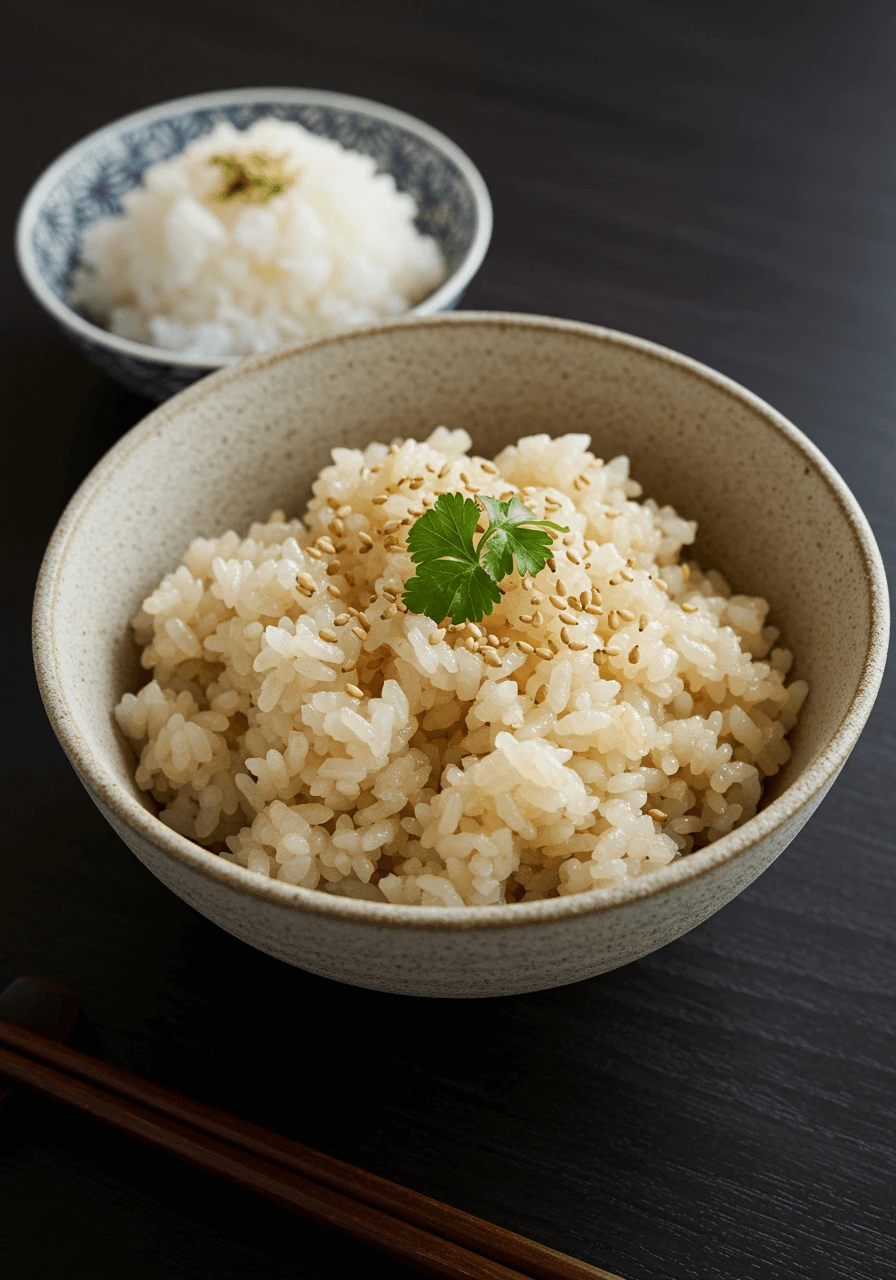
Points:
(774, 517)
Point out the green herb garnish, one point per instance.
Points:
(252, 179)
(457, 578)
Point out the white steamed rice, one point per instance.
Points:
(185, 270)
(610, 716)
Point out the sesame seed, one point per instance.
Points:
(544, 652)
(573, 556)
(341, 619)
(626, 576)
(528, 583)
(490, 658)
(551, 565)
(689, 608)
(435, 637)
(594, 610)
(507, 495)
(365, 539)
(326, 634)
(538, 618)
(475, 631)
(540, 695)
(360, 633)
(584, 598)
(662, 584)
(306, 580)
(344, 511)
(584, 479)
(635, 656)
(333, 504)
(415, 511)
(314, 553)
(685, 572)
(577, 646)
(657, 815)
(325, 545)
(574, 603)
(401, 606)
(353, 691)
(418, 483)
(525, 647)
(489, 468)
(446, 467)
(611, 515)
(390, 611)
(612, 619)
(380, 499)
(333, 568)
(536, 598)
(364, 621)
(613, 650)
(470, 644)
(334, 590)
(493, 640)
(525, 617)
(394, 544)
(504, 642)
(564, 635)
(337, 526)
(568, 540)
(557, 601)
(566, 616)
(562, 588)
(626, 615)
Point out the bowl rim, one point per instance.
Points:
(450, 289)
(109, 793)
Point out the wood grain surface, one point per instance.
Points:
(717, 177)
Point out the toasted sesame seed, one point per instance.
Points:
(551, 564)
(538, 618)
(525, 617)
(562, 588)
(612, 619)
(687, 607)
(446, 467)
(337, 526)
(504, 642)
(364, 621)
(415, 511)
(493, 640)
(544, 652)
(344, 511)
(506, 495)
(685, 572)
(528, 583)
(326, 634)
(325, 545)
(584, 479)
(564, 635)
(574, 603)
(353, 691)
(557, 601)
(418, 483)
(524, 646)
(611, 515)
(401, 606)
(626, 576)
(390, 611)
(333, 504)
(334, 590)
(314, 553)
(470, 643)
(577, 646)
(568, 540)
(593, 610)
(657, 815)
(626, 615)
(573, 556)
(489, 468)
(662, 584)
(360, 633)
(584, 598)
(380, 499)
(634, 656)
(305, 580)
(475, 631)
(566, 616)
(349, 577)
(394, 544)
(490, 658)
(365, 475)
(341, 619)
(365, 539)
(613, 650)
(435, 637)
(536, 598)
(333, 568)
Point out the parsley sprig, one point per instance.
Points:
(456, 577)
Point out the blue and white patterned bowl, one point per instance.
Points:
(88, 181)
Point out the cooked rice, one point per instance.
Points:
(607, 718)
(185, 270)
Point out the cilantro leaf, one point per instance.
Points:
(505, 540)
(457, 578)
(445, 530)
(460, 588)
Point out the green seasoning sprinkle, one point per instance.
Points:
(253, 179)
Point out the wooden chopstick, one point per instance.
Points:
(431, 1236)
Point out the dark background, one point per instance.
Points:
(718, 177)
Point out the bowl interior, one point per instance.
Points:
(252, 438)
(96, 176)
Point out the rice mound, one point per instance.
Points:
(185, 270)
(610, 716)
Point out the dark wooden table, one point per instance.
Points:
(720, 178)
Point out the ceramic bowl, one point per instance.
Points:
(773, 515)
(88, 181)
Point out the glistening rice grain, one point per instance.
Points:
(414, 763)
